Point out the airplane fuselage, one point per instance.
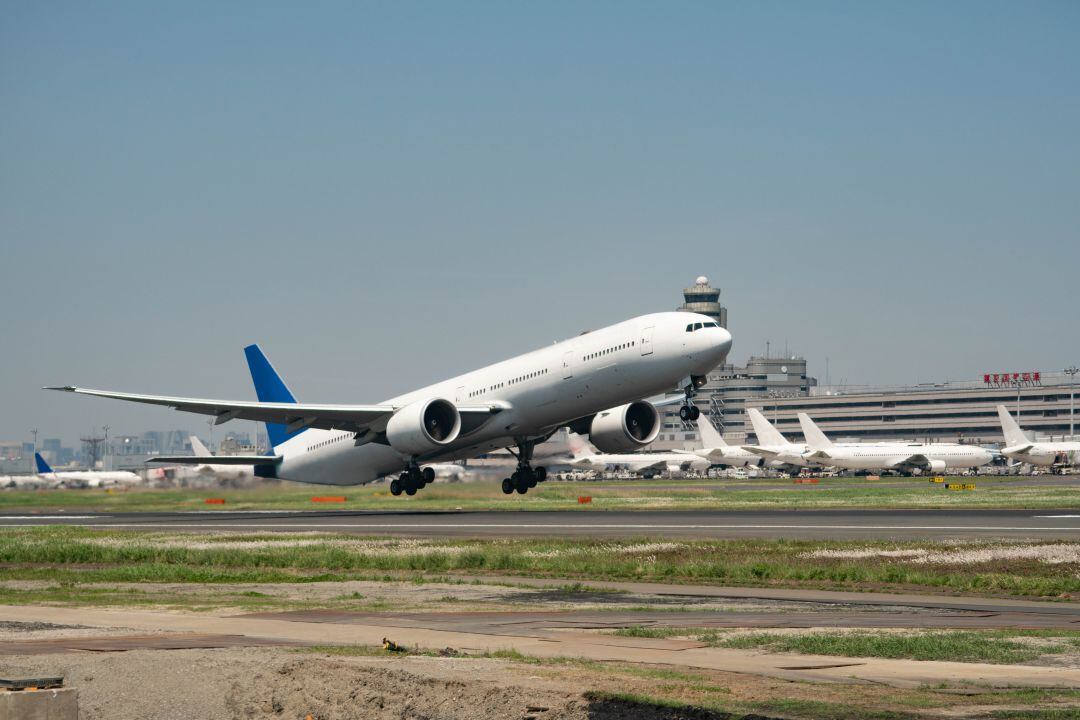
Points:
(883, 456)
(538, 391)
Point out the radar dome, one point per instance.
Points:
(702, 280)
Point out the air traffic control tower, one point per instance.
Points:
(705, 299)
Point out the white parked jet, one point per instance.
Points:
(85, 478)
(899, 456)
(594, 383)
(716, 450)
(1018, 447)
(586, 457)
(209, 467)
(772, 445)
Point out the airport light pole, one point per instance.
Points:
(33, 461)
(1071, 372)
(105, 452)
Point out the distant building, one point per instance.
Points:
(943, 412)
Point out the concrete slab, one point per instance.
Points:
(54, 704)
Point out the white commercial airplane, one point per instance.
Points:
(85, 478)
(1018, 447)
(209, 467)
(586, 457)
(718, 452)
(593, 383)
(900, 456)
(772, 445)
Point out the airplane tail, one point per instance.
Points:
(815, 438)
(766, 433)
(1010, 428)
(269, 387)
(42, 466)
(580, 447)
(198, 448)
(710, 437)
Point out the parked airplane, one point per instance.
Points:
(900, 456)
(718, 452)
(587, 457)
(85, 478)
(208, 467)
(593, 383)
(773, 446)
(1047, 452)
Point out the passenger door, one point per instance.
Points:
(646, 340)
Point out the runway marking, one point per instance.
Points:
(1056, 516)
(49, 517)
(570, 526)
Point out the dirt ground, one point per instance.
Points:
(276, 683)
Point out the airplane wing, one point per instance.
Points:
(216, 460)
(295, 416)
(1021, 449)
(918, 460)
(760, 451)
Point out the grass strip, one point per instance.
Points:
(72, 554)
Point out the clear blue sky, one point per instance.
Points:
(386, 194)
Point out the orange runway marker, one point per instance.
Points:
(214, 501)
(329, 498)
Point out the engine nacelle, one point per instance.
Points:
(937, 466)
(423, 426)
(625, 428)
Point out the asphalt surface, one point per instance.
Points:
(804, 524)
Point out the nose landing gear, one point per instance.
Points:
(689, 412)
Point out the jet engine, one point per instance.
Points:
(423, 426)
(936, 466)
(625, 428)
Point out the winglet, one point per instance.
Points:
(42, 466)
(61, 388)
(269, 387)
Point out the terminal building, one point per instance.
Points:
(941, 412)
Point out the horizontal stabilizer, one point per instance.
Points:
(217, 460)
(760, 451)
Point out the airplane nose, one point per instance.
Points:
(721, 339)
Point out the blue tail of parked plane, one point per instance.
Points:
(42, 466)
(269, 387)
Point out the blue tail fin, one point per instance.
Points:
(269, 387)
(42, 466)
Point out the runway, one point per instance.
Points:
(802, 524)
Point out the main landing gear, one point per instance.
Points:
(412, 480)
(526, 475)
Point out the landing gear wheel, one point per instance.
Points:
(695, 412)
(684, 413)
(541, 474)
(532, 479)
(411, 490)
(507, 486)
(429, 475)
(521, 482)
(395, 487)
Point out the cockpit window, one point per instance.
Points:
(690, 327)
